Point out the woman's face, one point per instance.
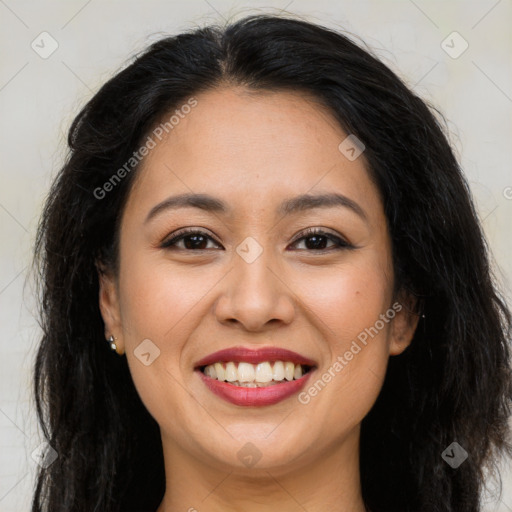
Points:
(257, 281)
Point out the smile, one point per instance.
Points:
(250, 377)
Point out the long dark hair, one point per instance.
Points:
(453, 384)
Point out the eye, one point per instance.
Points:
(317, 239)
(314, 239)
(189, 239)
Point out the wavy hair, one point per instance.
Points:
(452, 384)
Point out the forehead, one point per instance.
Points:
(252, 148)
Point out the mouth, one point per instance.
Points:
(267, 373)
(250, 377)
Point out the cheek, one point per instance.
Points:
(162, 300)
(164, 304)
(347, 303)
(346, 299)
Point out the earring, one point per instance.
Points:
(112, 342)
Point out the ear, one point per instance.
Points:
(109, 306)
(404, 323)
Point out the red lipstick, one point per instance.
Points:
(259, 396)
(255, 397)
(254, 356)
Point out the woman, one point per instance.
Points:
(275, 239)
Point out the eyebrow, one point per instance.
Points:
(309, 202)
(300, 203)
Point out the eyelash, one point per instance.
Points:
(308, 233)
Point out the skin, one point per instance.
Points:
(253, 151)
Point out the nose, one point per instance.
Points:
(255, 296)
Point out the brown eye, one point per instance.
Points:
(192, 240)
(318, 240)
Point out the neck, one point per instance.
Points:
(329, 482)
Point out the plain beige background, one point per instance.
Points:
(40, 93)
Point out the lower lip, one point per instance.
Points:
(255, 397)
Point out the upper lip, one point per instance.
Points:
(254, 356)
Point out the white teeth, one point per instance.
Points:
(278, 372)
(210, 371)
(289, 369)
(220, 373)
(245, 372)
(263, 372)
(250, 375)
(231, 372)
